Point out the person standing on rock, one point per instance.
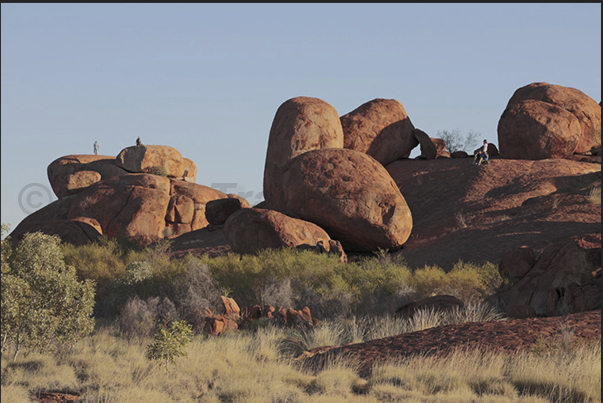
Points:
(481, 155)
(96, 148)
(138, 142)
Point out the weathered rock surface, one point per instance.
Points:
(566, 278)
(217, 211)
(52, 220)
(130, 205)
(443, 303)
(350, 195)
(301, 124)
(440, 146)
(140, 159)
(537, 130)
(543, 103)
(506, 204)
(72, 173)
(517, 262)
(380, 128)
(200, 195)
(144, 207)
(250, 230)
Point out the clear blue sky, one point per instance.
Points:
(207, 79)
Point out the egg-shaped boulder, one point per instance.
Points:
(380, 128)
(348, 194)
(301, 124)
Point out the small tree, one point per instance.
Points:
(42, 300)
(170, 342)
(455, 141)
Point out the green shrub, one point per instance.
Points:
(170, 342)
(156, 170)
(42, 299)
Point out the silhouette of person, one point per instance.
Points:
(96, 148)
(138, 142)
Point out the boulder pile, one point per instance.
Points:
(146, 193)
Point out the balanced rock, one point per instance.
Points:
(143, 158)
(72, 173)
(541, 124)
(348, 194)
(428, 148)
(301, 124)
(249, 230)
(566, 278)
(380, 128)
(217, 211)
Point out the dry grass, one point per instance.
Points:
(461, 219)
(250, 367)
(594, 195)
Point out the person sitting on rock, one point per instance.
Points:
(138, 142)
(481, 155)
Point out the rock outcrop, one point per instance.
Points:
(72, 173)
(348, 194)
(301, 124)
(200, 196)
(143, 207)
(566, 278)
(143, 158)
(250, 230)
(126, 206)
(542, 120)
(380, 128)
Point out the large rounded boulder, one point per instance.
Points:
(348, 194)
(143, 158)
(249, 230)
(301, 124)
(543, 124)
(536, 130)
(380, 128)
(73, 173)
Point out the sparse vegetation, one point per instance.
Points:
(156, 170)
(455, 141)
(594, 195)
(146, 295)
(253, 367)
(461, 219)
